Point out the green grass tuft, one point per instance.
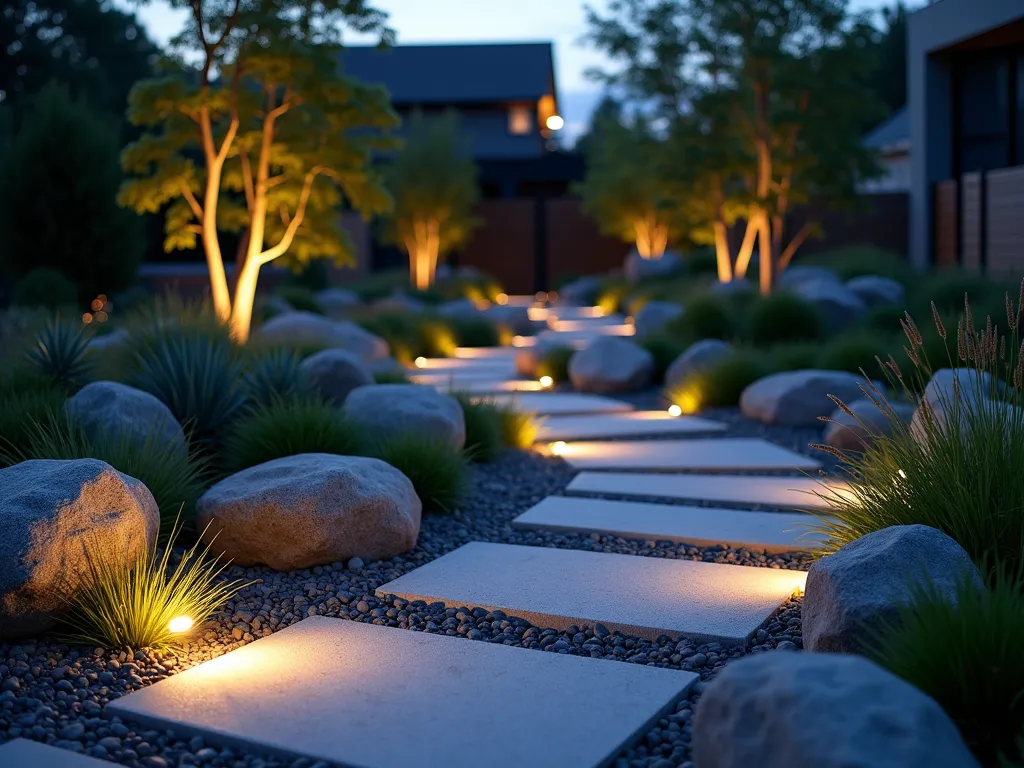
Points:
(59, 353)
(705, 317)
(275, 374)
(855, 351)
(664, 349)
(518, 428)
(438, 472)
(300, 297)
(556, 364)
(795, 356)
(131, 604)
(782, 318)
(721, 383)
(483, 427)
(287, 428)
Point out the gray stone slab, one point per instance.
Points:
(561, 403)
(643, 596)
(777, 492)
(22, 753)
(460, 365)
(380, 697)
(485, 353)
(485, 386)
(632, 424)
(714, 454)
(770, 532)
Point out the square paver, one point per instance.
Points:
(642, 596)
(770, 532)
(22, 753)
(722, 455)
(776, 492)
(561, 403)
(487, 386)
(381, 697)
(485, 353)
(632, 424)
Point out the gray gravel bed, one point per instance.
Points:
(55, 693)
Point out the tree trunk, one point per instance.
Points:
(767, 277)
(245, 297)
(722, 255)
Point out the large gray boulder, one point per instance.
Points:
(399, 302)
(62, 520)
(459, 308)
(959, 393)
(854, 433)
(655, 315)
(837, 304)
(112, 409)
(311, 509)
(798, 398)
(333, 373)
(875, 290)
(386, 410)
(515, 318)
(736, 287)
(336, 302)
(820, 710)
(637, 268)
(697, 357)
(309, 329)
(611, 364)
(114, 340)
(583, 290)
(854, 590)
(797, 275)
(529, 359)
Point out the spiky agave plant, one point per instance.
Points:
(59, 353)
(153, 602)
(959, 465)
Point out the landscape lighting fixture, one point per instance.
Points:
(546, 381)
(180, 624)
(555, 122)
(557, 448)
(421, 362)
(675, 410)
(501, 298)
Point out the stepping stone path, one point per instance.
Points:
(770, 532)
(643, 596)
(782, 492)
(633, 424)
(725, 455)
(335, 690)
(22, 753)
(562, 403)
(378, 697)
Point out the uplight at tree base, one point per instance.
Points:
(180, 624)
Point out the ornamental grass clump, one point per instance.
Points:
(437, 470)
(175, 479)
(782, 318)
(288, 427)
(518, 428)
(555, 363)
(275, 374)
(59, 353)
(966, 655)
(719, 384)
(959, 465)
(483, 427)
(151, 603)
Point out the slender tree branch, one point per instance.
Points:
(197, 210)
(250, 194)
(794, 244)
(293, 226)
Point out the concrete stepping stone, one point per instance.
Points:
(716, 454)
(432, 377)
(379, 697)
(487, 386)
(770, 532)
(462, 364)
(485, 353)
(632, 424)
(23, 753)
(782, 492)
(582, 338)
(644, 596)
(562, 403)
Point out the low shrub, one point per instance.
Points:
(858, 260)
(518, 428)
(701, 261)
(611, 295)
(300, 297)
(664, 349)
(198, 376)
(781, 318)
(720, 384)
(153, 602)
(20, 411)
(59, 354)
(390, 377)
(885, 318)
(555, 364)
(966, 656)
(959, 470)
(287, 428)
(855, 352)
(438, 472)
(946, 289)
(483, 427)
(795, 356)
(474, 332)
(45, 287)
(436, 338)
(275, 374)
(706, 317)
(175, 479)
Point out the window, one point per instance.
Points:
(984, 113)
(520, 120)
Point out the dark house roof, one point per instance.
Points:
(456, 74)
(893, 134)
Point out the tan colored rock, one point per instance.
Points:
(311, 509)
(59, 521)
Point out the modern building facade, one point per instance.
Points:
(891, 140)
(966, 109)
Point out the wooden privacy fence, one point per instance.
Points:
(978, 221)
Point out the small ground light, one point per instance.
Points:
(902, 474)
(420, 362)
(675, 410)
(555, 122)
(546, 381)
(540, 296)
(180, 624)
(558, 448)
(501, 298)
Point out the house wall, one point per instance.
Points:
(485, 132)
(930, 88)
(896, 176)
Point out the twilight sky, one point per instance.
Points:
(453, 21)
